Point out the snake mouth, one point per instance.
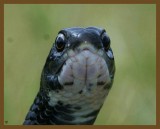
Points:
(84, 70)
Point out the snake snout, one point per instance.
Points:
(86, 70)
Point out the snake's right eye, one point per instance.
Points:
(106, 41)
(60, 42)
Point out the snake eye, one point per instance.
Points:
(60, 42)
(105, 41)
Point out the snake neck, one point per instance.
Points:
(42, 113)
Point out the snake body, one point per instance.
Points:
(76, 79)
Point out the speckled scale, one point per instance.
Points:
(39, 112)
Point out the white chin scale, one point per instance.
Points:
(84, 71)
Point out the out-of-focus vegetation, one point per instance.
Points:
(30, 31)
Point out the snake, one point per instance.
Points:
(76, 78)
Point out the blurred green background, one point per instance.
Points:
(30, 31)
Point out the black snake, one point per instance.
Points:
(76, 78)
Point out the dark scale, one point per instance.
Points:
(47, 110)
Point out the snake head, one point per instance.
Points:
(82, 54)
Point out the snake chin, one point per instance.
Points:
(84, 73)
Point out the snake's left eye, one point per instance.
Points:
(105, 41)
(60, 42)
